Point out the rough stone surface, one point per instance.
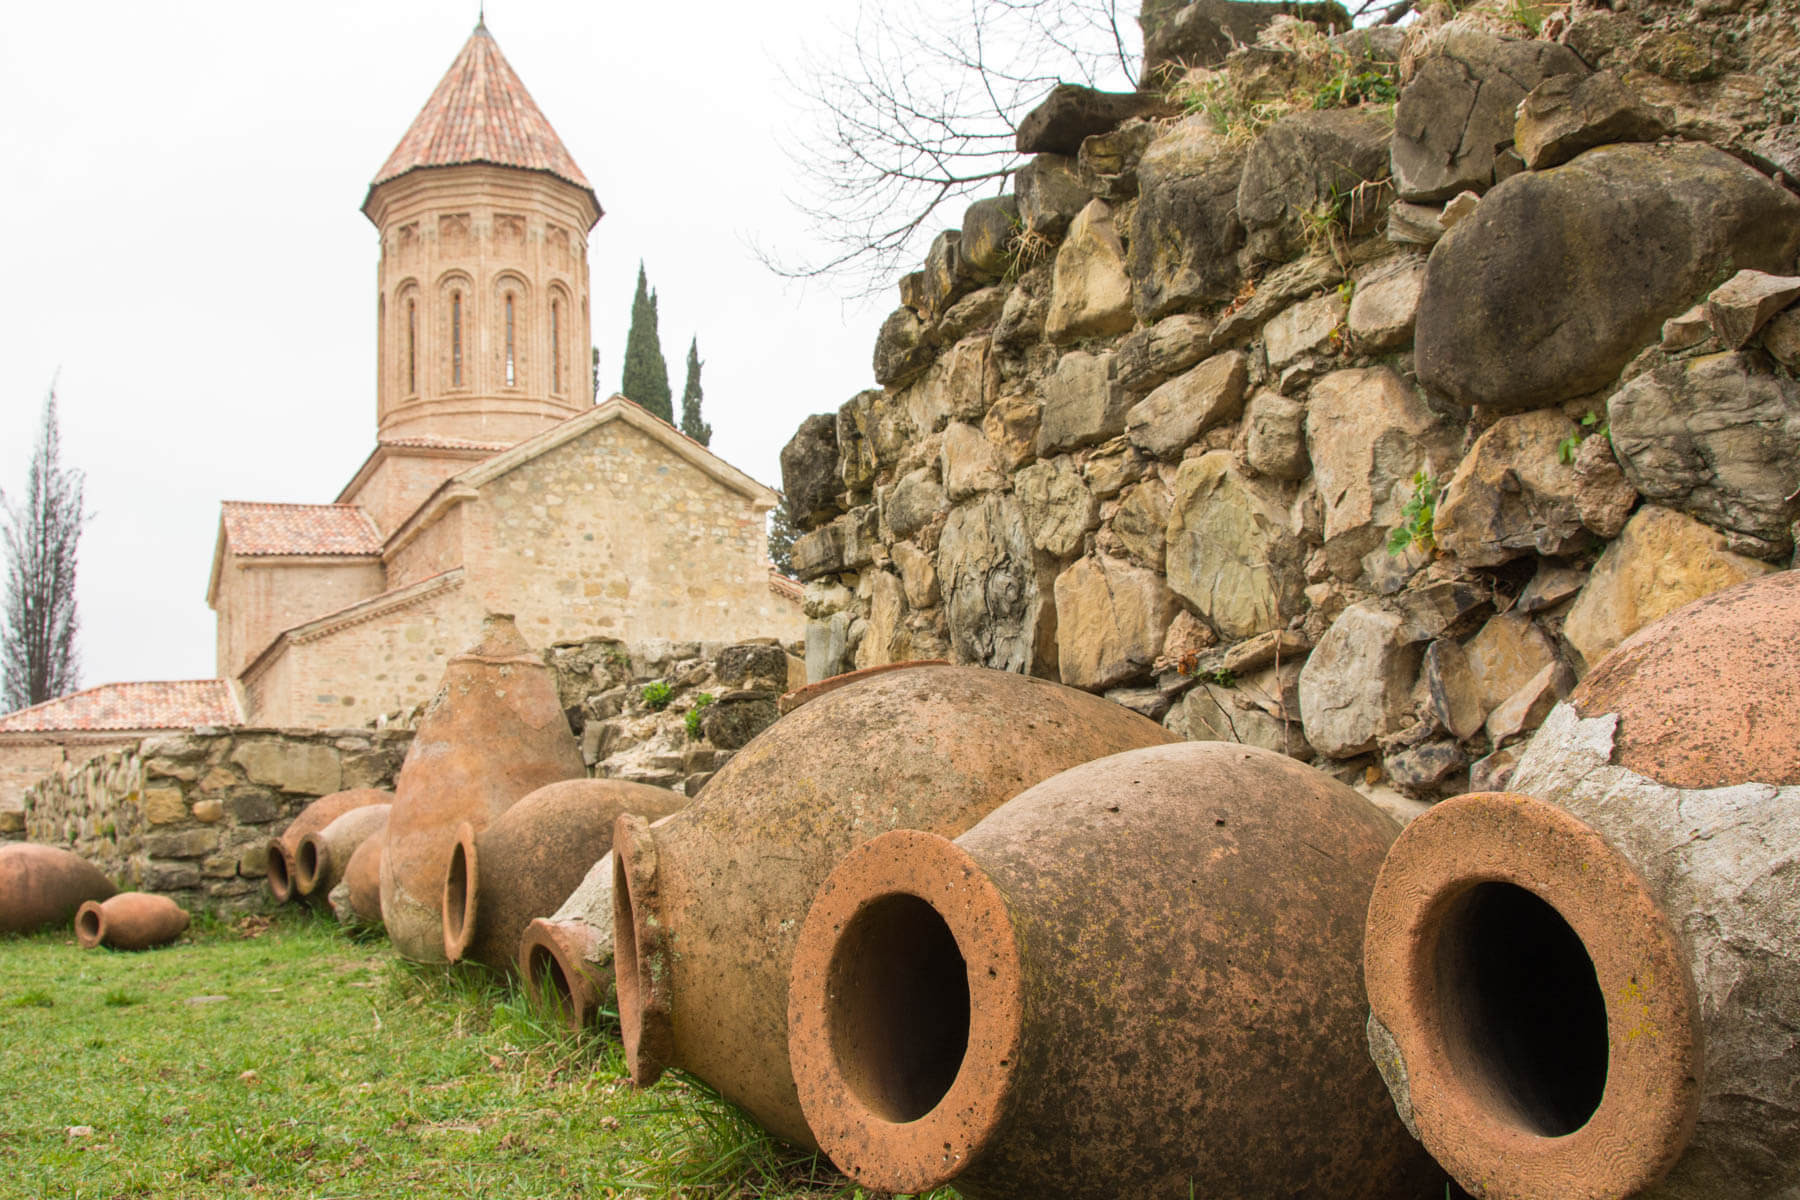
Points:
(1717, 438)
(1743, 304)
(1230, 552)
(1090, 292)
(1357, 685)
(1367, 433)
(1111, 618)
(819, 553)
(1426, 768)
(1385, 306)
(1525, 709)
(969, 462)
(1275, 436)
(1071, 113)
(918, 575)
(1307, 327)
(999, 614)
(1057, 507)
(1152, 356)
(856, 453)
(1455, 696)
(1567, 114)
(1082, 405)
(946, 275)
(1459, 108)
(1210, 713)
(1603, 496)
(291, 766)
(1781, 338)
(1415, 224)
(1012, 426)
(902, 348)
(1310, 168)
(1661, 561)
(1111, 467)
(1504, 656)
(1186, 234)
(809, 470)
(1199, 34)
(1552, 260)
(1169, 419)
(915, 501)
(1141, 523)
(1512, 494)
(1050, 192)
(987, 233)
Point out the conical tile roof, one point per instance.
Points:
(480, 112)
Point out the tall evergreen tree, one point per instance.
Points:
(781, 538)
(691, 424)
(37, 645)
(646, 371)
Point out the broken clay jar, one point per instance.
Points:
(312, 818)
(356, 900)
(494, 733)
(707, 903)
(130, 921)
(523, 865)
(44, 885)
(568, 956)
(1587, 988)
(1138, 978)
(321, 857)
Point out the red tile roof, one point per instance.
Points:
(481, 113)
(252, 529)
(176, 704)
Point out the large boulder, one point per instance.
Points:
(1457, 111)
(1082, 404)
(1168, 420)
(1385, 306)
(1186, 234)
(1090, 293)
(1166, 349)
(1310, 171)
(1050, 192)
(1718, 439)
(988, 228)
(809, 471)
(1071, 113)
(1201, 33)
(1567, 114)
(1513, 494)
(903, 348)
(969, 462)
(1058, 508)
(913, 502)
(1357, 684)
(1560, 277)
(1229, 550)
(1110, 621)
(1000, 612)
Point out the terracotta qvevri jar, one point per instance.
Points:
(805, 695)
(312, 818)
(320, 859)
(356, 900)
(493, 734)
(569, 954)
(707, 903)
(44, 885)
(1138, 978)
(1587, 987)
(130, 921)
(523, 865)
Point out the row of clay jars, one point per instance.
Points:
(1588, 987)
(494, 733)
(312, 818)
(323, 856)
(1138, 978)
(708, 903)
(525, 864)
(44, 885)
(130, 921)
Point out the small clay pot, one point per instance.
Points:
(44, 885)
(1138, 978)
(312, 818)
(320, 859)
(356, 900)
(568, 956)
(523, 865)
(494, 734)
(1587, 988)
(707, 903)
(130, 921)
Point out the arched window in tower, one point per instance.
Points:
(556, 346)
(456, 341)
(512, 373)
(412, 347)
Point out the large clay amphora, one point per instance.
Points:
(321, 858)
(707, 903)
(1588, 987)
(493, 734)
(1139, 978)
(356, 900)
(44, 885)
(312, 818)
(130, 921)
(526, 862)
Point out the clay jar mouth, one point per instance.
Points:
(1538, 998)
(312, 862)
(281, 871)
(904, 1012)
(90, 924)
(552, 970)
(462, 889)
(641, 959)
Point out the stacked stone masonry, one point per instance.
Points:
(1353, 427)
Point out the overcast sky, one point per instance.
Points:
(183, 245)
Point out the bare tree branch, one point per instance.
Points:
(37, 645)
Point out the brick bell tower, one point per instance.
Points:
(483, 309)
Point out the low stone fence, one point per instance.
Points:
(189, 814)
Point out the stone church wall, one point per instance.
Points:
(1336, 429)
(265, 596)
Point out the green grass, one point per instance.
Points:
(297, 1063)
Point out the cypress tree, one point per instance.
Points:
(691, 424)
(646, 378)
(42, 530)
(781, 538)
